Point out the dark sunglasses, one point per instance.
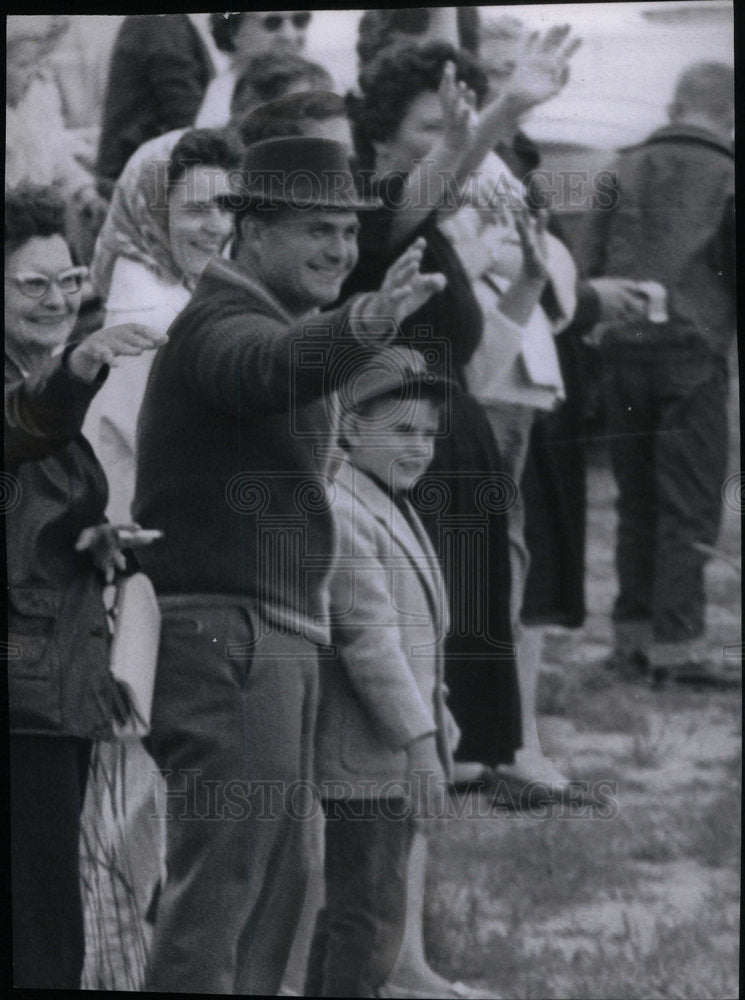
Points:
(273, 22)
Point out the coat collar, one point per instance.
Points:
(366, 492)
(221, 273)
(686, 133)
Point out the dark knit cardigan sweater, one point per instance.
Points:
(229, 466)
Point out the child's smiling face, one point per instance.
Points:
(393, 439)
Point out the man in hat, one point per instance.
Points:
(231, 467)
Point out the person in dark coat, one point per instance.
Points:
(158, 76)
(61, 693)
(665, 378)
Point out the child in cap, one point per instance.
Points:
(382, 753)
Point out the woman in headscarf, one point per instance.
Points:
(163, 226)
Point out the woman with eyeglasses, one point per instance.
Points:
(59, 551)
(242, 37)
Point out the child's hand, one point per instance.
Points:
(429, 798)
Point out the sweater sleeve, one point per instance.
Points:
(241, 360)
(45, 410)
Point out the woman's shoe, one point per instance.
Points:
(470, 777)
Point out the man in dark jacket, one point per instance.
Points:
(665, 378)
(158, 75)
(233, 465)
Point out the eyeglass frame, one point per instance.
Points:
(300, 19)
(19, 277)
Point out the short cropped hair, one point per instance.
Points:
(207, 146)
(398, 78)
(283, 117)
(268, 76)
(32, 210)
(707, 87)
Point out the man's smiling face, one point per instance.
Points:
(303, 257)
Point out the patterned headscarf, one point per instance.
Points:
(137, 222)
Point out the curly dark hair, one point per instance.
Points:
(267, 77)
(32, 210)
(209, 146)
(396, 79)
(282, 117)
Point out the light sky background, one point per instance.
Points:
(622, 76)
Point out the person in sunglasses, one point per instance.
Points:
(61, 693)
(242, 37)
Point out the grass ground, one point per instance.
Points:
(639, 898)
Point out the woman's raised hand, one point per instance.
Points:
(459, 115)
(542, 67)
(105, 346)
(404, 287)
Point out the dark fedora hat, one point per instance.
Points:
(298, 171)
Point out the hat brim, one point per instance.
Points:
(425, 383)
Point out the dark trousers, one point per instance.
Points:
(47, 787)
(232, 729)
(667, 427)
(359, 932)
